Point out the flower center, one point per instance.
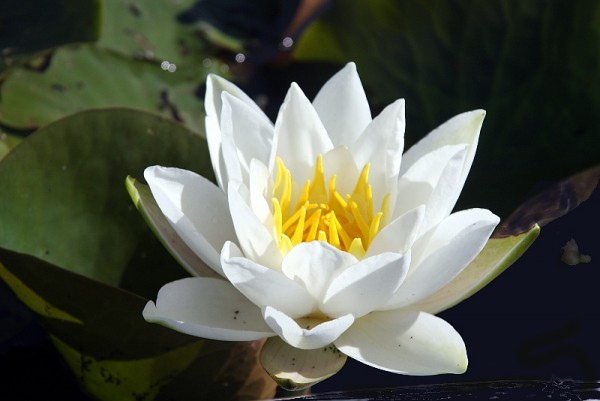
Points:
(320, 214)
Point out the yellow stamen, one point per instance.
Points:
(321, 213)
(357, 249)
(277, 218)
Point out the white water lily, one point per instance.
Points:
(321, 231)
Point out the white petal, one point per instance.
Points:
(406, 342)
(381, 145)
(215, 86)
(248, 131)
(213, 139)
(300, 135)
(343, 107)
(416, 186)
(445, 194)
(314, 265)
(256, 240)
(196, 208)
(208, 308)
(260, 185)
(461, 129)
(444, 254)
(364, 287)
(264, 286)
(339, 162)
(316, 337)
(495, 257)
(231, 156)
(399, 235)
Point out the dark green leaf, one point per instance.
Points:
(150, 30)
(62, 194)
(28, 26)
(533, 65)
(115, 354)
(88, 77)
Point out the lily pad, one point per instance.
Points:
(26, 29)
(7, 142)
(150, 30)
(71, 243)
(62, 188)
(86, 77)
(115, 354)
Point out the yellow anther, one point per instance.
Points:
(277, 219)
(285, 245)
(357, 249)
(293, 219)
(313, 224)
(318, 192)
(358, 218)
(322, 214)
(334, 238)
(374, 229)
(299, 231)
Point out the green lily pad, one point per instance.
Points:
(115, 353)
(150, 30)
(133, 64)
(27, 29)
(497, 255)
(7, 142)
(76, 252)
(86, 77)
(533, 65)
(62, 188)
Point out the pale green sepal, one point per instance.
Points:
(497, 255)
(132, 379)
(33, 301)
(146, 205)
(296, 369)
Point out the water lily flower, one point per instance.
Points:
(321, 231)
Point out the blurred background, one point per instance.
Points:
(92, 91)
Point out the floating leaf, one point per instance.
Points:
(85, 77)
(297, 369)
(116, 354)
(7, 142)
(150, 30)
(62, 188)
(33, 300)
(68, 207)
(26, 29)
(127, 379)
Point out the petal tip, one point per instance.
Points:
(149, 311)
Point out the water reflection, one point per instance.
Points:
(555, 389)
